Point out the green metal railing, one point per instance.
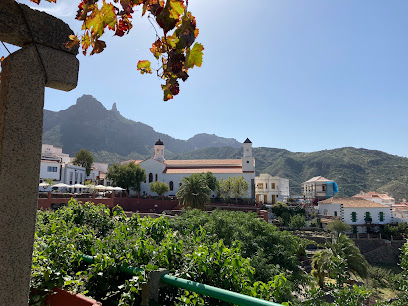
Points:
(214, 292)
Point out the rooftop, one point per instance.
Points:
(353, 202)
(318, 179)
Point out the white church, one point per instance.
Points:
(173, 171)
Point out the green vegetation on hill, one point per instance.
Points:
(353, 169)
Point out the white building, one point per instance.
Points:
(54, 153)
(382, 198)
(270, 189)
(173, 171)
(359, 213)
(319, 187)
(98, 174)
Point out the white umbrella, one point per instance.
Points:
(79, 186)
(61, 185)
(110, 188)
(100, 187)
(118, 188)
(44, 184)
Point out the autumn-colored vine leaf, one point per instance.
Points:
(72, 42)
(144, 67)
(100, 19)
(98, 46)
(177, 8)
(176, 50)
(194, 56)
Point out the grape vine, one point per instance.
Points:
(176, 50)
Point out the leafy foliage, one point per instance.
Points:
(194, 192)
(233, 187)
(336, 226)
(185, 249)
(339, 260)
(84, 159)
(159, 187)
(127, 176)
(285, 214)
(174, 50)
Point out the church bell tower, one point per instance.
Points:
(159, 150)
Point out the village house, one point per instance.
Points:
(173, 171)
(57, 166)
(270, 189)
(363, 215)
(319, 188)
(382, 198)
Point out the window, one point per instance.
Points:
(247, 161)
(171, 187)
(51, 169)
(368, 217)
(381, 216)
(156, 178)
(70, 177)
(260, 185)
(335, 213)
(353, 216)
(76, 177)
(150, 177)
(180, 184)
(80, 178)
(323, 187)
(273, 185)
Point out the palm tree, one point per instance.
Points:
(321, 265)
(346, 248)
(194, 192)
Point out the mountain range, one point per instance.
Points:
(113, 138)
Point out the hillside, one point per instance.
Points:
(112, 138)
(353, 169)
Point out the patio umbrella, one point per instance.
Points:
(44, 184)
(110, 188)
(79, 186)
(61, 185)
(100, 187)
(118, 188)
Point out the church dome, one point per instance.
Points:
(247, 141)
(159, 142)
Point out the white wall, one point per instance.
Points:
(361, 213)
(329, 209)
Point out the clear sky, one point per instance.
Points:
(303, 75)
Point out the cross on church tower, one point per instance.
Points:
(42, 61)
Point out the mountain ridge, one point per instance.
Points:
(113, 138)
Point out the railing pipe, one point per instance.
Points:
(214, 292)
(217, 293)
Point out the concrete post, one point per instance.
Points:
(150, 290)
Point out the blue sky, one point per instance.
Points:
(302, 75)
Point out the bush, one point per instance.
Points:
(188, 246)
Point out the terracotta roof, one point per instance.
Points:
(205, 169)
(371, 194)
(204, 162)
(353, 202)
(318, 179)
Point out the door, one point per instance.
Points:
(273, 199)
(257, 197)
(265, 199)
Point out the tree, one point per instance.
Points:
(340, 258)
(84, 159)
(297, 221)
(127, 176)
(211, 180)
(159, 187)
(194, 192)
(223, 188)
(336, 227)
(174, 50)
(239, 187)
(49, 181)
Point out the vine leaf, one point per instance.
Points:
(144, 67)
(194, 56)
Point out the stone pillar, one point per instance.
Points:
(21, 121)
